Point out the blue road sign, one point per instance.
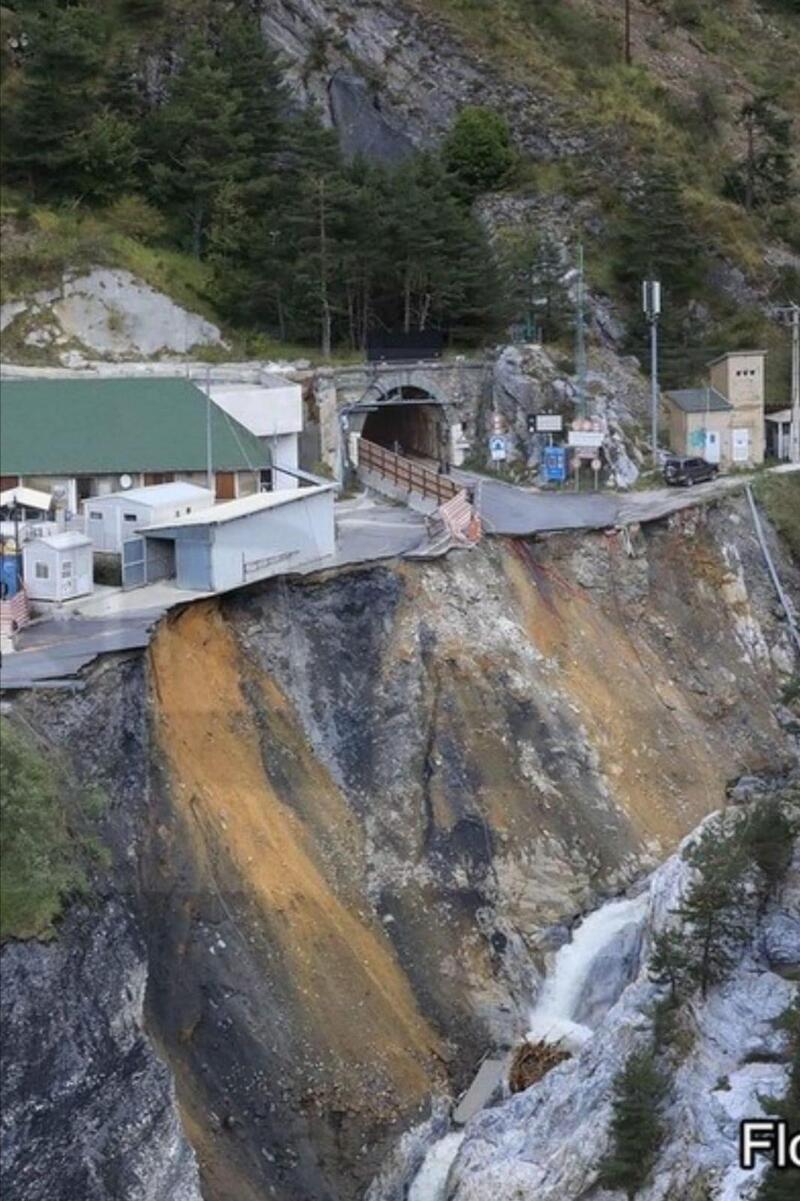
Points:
(555, 464)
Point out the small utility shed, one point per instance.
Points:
(235, 543)
(57, 567)
(699, 424)
(112, 519)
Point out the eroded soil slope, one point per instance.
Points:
(345, 811)
(380, 787)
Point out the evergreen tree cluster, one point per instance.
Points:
(302, 244)
(636, 1127)
(737, 866)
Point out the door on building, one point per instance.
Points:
(67, 579)
(741, 446)
(712, 446)
(225, 485)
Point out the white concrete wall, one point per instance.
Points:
(274, 541)
(284, 452)
(265, 411)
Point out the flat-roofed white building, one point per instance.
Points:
(111, 520)
(238, 542)
(273, 411)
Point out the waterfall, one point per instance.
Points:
(584, 966)
(553, 1016)
(431, 1180)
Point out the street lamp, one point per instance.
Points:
(651, 305)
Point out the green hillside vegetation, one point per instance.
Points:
(46, 840)
(209, 183)
(780, 496)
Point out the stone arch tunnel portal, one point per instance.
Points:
(409, 420)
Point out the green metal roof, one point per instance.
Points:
(97, 426)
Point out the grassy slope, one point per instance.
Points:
(780, 496)
(45, 840)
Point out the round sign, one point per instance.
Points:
(596, 464)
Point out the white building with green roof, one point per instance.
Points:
(92, 437)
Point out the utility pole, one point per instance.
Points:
(209, 456)
(793, 313)
(580, 336)
(651, 304)
(790, 314)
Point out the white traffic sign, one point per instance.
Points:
(588, 438)
(549, 423)
(596, 464)
(497, 447)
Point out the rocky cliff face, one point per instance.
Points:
(549, 1141)
(346, 810)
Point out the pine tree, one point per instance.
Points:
(658, 240)
(769, 840)
(478, 151)
(47, 116)
(763, 176)
(256, 72)
(199, 143)
(670, 962)
(714, 911)
(636, 1128)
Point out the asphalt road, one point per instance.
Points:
(506, 509)
(55, 650)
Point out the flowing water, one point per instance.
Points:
(552, 1019)
(431, 1180)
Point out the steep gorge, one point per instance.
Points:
(345, 812)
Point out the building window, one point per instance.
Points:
(130, 517)
(41, 571)
(94, 515)
(66, 570)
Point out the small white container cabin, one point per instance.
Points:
(57, 567)
(112, 519)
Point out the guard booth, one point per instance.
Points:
(58, 567)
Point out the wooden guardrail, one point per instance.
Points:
(407, 474)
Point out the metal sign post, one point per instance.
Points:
(651, 304)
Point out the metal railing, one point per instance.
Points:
(405, 473)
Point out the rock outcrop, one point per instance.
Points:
(549, 1141)
(107, 312)
(89, 1107)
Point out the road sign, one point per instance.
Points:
(596, 465)
(590, 439)
(549, 423)
(497, 448)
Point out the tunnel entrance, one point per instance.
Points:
(409, 421)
